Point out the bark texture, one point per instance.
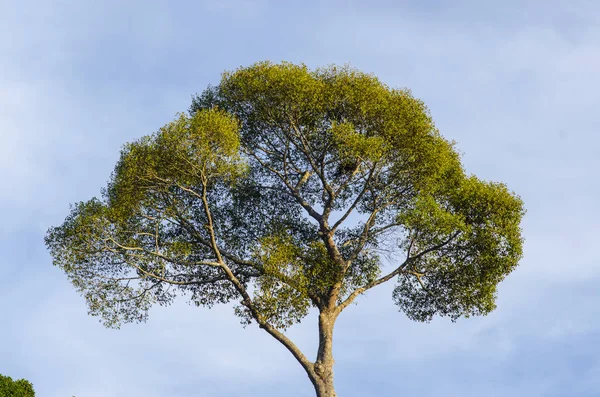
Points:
(323, 367)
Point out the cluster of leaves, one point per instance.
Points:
(127, 250)
(15, 388)
(286, 189)
(476, 225)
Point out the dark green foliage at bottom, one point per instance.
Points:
(15, 388)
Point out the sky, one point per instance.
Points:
(515, 83)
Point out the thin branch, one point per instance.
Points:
(395, 272)
(306, 150)
(356, 201)
(295, 193)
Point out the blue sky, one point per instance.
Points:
(515, 83)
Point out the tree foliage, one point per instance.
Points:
(287, 188)
(15, 388)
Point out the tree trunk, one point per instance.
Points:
(323, 381)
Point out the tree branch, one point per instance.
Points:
(295, 193)
(395, 272)
(306, 150)
(356, 201)
(247, 300)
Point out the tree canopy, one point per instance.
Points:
(286, 189)
(15, 388)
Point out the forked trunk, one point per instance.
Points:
(323, 381)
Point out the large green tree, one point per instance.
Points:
(287, 189)
(15, 388)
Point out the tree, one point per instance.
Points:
(15, 388)
(288, 189)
